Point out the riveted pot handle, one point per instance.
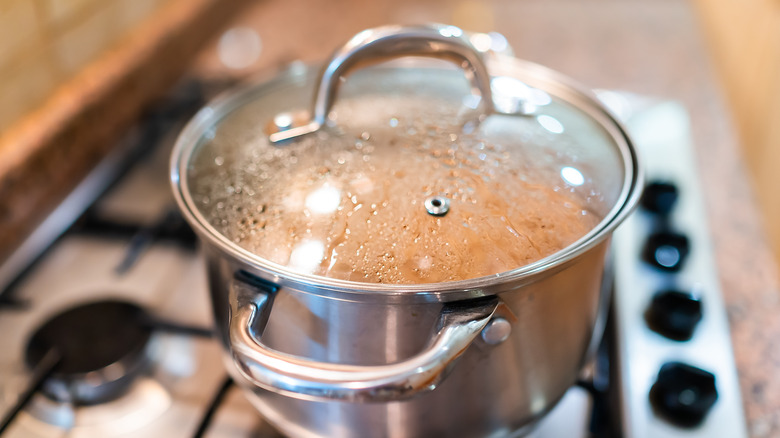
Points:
(383, 43)
(458, 324)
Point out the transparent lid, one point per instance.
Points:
(411, 179)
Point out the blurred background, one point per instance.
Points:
(58, 57)
(76, 75)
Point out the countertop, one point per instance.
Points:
(51, 148)
(655, 48)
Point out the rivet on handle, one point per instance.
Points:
(496, 331)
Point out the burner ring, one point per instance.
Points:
(103, 347)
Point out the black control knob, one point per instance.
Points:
(666, 250)
(674, 314)
(659, 197)
(683, 394)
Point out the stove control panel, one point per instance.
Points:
(666, 250)
(683, 394)
(674, 314)
(676, 365)
(660, 197)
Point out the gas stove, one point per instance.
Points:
(107, 329)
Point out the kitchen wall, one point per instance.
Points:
(744, 38)
(43, 43)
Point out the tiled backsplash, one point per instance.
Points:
(44, 42)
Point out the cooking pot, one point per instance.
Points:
(421, 255)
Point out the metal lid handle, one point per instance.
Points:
(387, 42)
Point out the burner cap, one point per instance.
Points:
(102, 346)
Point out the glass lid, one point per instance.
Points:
(414, 174)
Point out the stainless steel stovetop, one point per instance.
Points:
(130, 245)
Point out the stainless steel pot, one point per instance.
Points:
(322, 356)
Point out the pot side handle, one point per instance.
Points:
(458, 324)
(381, 44)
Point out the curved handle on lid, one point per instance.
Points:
(383, 43)
(457, 326)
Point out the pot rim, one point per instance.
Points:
(531, 73)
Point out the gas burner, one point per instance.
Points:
(101, 348)
(145, 401)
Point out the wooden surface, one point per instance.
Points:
(649, 47)
(45, 154)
